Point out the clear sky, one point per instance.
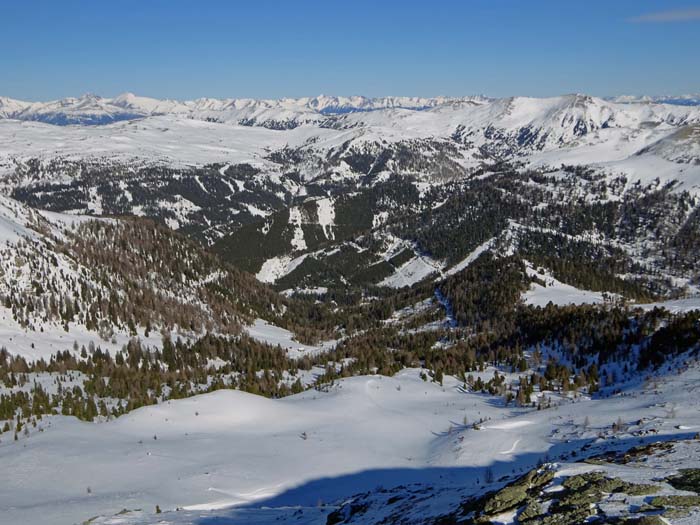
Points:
(264, 48)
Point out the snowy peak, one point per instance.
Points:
(146, 105)
(584, 113)
(92, 109)
(556, 111)
(88, 109)
(10, 107)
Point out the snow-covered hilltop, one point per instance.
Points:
(371, 448)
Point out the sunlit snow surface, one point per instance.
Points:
(411, 272)
(643, 141)
(230, 448)
(556, 292)
(276, 336)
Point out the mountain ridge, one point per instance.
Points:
(90, 109)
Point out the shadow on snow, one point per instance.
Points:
(343, 487)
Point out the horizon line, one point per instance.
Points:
(89, 94)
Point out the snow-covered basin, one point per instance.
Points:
(274, 335)
(229, 448)
(556, 292)
(561, 294)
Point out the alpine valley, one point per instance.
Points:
(340, 310)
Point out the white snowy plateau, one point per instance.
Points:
(642, 139)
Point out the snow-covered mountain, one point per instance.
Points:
(92, 110)
(549, 123)
(462, 298)
(88, 109)
(214, 165)
(299, 178)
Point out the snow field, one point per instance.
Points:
(231, 448)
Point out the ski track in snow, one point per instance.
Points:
(511, 449)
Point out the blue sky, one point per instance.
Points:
(264, 48)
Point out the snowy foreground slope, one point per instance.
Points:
(282, 459)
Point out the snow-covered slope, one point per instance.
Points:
(556, 292)
(158, 140)
(52, 284)
(366, 434)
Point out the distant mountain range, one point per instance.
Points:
(679, 100)
(94, 110)
(91, 109)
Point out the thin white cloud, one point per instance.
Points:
(676, 15)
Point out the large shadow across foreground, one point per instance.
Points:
(470, 479)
